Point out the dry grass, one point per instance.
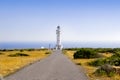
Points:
(90, 69)
(11, 64)
(107, 54)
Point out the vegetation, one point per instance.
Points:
(104, 68)
(86, 53)
(78, 63)
(10, 64)
(82, 62)
(98, 62)
(18, 54)
(48, 52)
(30, 49)
(21, 50)
(113, 60)
(1, 53)
(98, 50)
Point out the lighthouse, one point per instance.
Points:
(58, 42)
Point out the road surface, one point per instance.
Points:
(55, 67)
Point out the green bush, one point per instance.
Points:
(97, 50)
(97, 62)
(85, 53)
(31, 49)
(18, 54)
(21, 50)
(113, 60)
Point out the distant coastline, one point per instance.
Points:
(22, 45)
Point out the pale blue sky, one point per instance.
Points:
(80, 20)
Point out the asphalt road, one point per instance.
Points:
(55, 67)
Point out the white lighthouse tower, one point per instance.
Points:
(58, 43)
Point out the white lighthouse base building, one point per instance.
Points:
(59, 47)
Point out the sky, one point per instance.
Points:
(80, 20)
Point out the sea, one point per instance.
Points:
(37, 45)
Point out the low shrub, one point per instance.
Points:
(1, 53)
(113, 60)
(47, 52)
(18, 54)
(85, 53)
(97, 62)
(105, 70)
(4, 50)
(31, 49)
(78, 63)
(21, 50)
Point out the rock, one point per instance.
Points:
(107, 68)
